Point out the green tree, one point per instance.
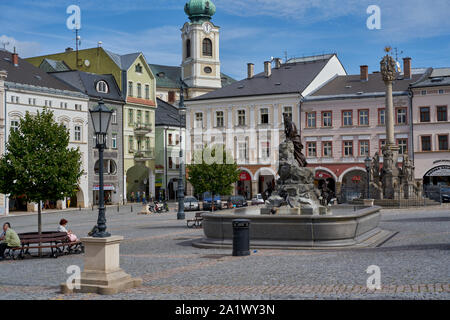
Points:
(213, 170)
(38, 164)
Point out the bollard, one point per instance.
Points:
(117, 207)
(241, 237)
(131, 208)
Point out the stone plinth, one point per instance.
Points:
(102, 273)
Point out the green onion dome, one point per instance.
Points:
(200, 10)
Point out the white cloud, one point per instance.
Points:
(24, 48)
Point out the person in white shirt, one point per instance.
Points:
(62, 228)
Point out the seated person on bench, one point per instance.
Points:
(62, 228)
(10, 239)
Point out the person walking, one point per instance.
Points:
(10, 239)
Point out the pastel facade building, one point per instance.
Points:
(343, 123)
(431, 128)
(170, 132)
(30, 89)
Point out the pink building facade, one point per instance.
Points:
(431, 128)
(343, 123)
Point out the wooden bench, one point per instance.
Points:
(57, 242)
(196, 222)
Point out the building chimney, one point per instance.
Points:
(364, 73)
(407, 68)
(268, 68)
(250, 70)
(15, 58)
(277, 63)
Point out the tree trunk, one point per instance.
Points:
(39, 226)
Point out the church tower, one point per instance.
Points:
(200, 37)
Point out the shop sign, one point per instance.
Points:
(106, 187)
(244, 176)
(322, 175)
(441, 171)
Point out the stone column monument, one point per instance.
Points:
(390, 173)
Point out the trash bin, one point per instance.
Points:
(241, 237)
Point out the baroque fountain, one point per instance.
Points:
(293, 216)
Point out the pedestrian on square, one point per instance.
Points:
(9, 239)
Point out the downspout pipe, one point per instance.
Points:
(411, 124)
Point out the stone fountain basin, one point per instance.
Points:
(344, 228)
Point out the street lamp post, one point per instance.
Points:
(367, 163)
(181, 113)
(101, 116)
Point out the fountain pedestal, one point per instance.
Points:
(295, 193)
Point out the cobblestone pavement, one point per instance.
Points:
(414, 264)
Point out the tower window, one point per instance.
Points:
(188, 48)
(207, 47)
(207, 70)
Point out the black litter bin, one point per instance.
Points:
(241, 237)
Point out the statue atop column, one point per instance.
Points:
(388, 68)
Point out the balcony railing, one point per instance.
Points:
(144, 155)
(142, 128)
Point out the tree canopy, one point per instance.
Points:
(38, 163)
(213, 170)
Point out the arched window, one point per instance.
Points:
(207, 47)
(109, 167)
(188, 48)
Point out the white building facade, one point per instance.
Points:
(69, 108)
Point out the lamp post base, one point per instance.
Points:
(102, 273)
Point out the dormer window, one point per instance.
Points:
(102, 87)
(138, 68)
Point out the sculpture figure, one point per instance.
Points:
(290, 130)
(375, 168)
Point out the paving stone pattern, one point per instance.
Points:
(414, 264)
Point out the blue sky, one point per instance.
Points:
(251, 30)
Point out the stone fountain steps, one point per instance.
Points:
(372, 239)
